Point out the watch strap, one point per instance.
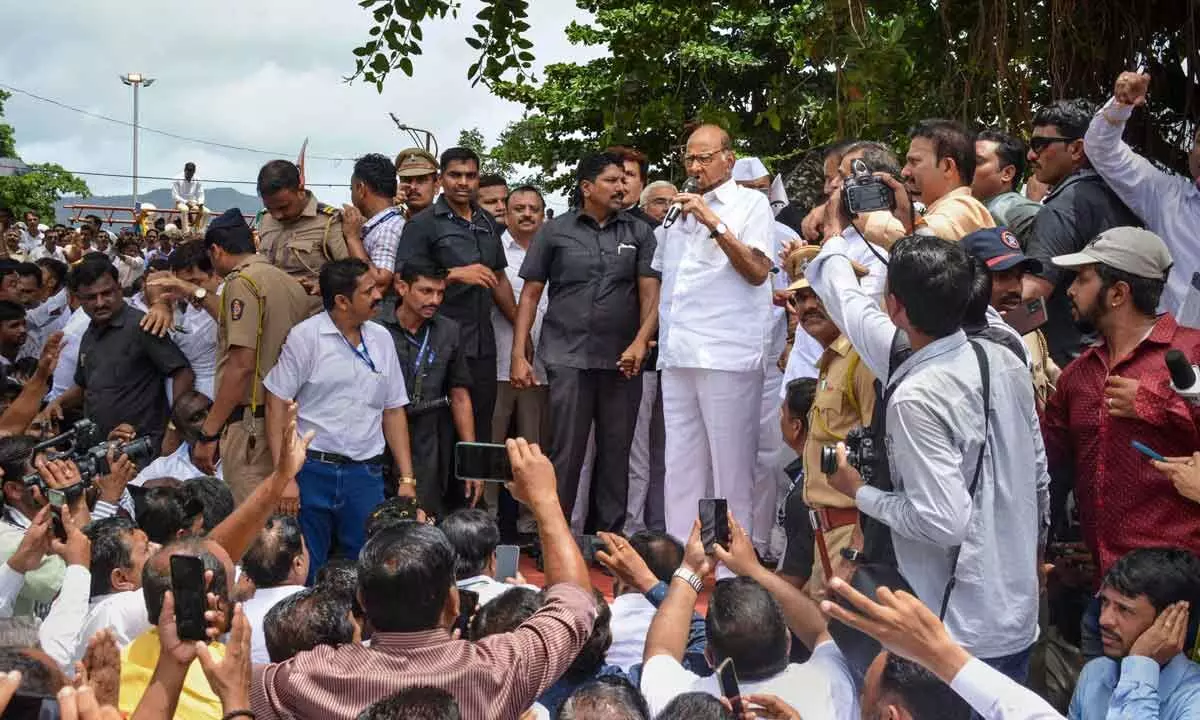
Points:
(690, 578)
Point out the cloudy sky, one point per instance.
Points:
(254, 73)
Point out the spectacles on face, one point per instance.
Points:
(704, 159)
(1038, 144)
(660, 201)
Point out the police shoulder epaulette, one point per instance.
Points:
(331, 210)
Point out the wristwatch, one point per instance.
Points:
(208, 438)
(720, 229)
(690, 578)
(198, 296)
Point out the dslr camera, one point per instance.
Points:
(88, 449)
(862, 192)
(863, 451)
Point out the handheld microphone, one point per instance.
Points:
(1183, 376)
(690, 186)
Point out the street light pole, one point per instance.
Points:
(136, 81)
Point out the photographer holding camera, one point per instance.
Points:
(966, 500)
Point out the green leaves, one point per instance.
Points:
(36, 190)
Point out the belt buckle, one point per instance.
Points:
(820, 519)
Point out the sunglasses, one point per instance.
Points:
(1039, 144)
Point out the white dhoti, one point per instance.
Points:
(712, 417)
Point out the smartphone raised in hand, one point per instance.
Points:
(187, 584)
(57, 498)
(482, 461)
(507, 559)
(468, 603)
(714, 523)
(727, 677)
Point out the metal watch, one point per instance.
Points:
(720, 229)
(690, 578)
(199, 295)
(853, 555)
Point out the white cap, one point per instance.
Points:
(747, 169)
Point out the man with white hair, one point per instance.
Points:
(656, 199)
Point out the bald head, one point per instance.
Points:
(709, 156)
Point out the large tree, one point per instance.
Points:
(789, 75)
(40, 187)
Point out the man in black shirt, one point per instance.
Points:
(122, 369)
(456, 234)
(596, 333)
(1079, 207)
(436, 376)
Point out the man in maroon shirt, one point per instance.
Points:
(1119, 391)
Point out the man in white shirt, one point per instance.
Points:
(188, 194)
(188, 416)
(51, 315)
(474, 536)
(342, 370)
(277, 562)
(1169, 204)
(119, 552)
(526, 408)
(68, 355)
(195, 331)
(715, 307)
(751, 619)
(640, 565)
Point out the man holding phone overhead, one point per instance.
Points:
(1119, 391)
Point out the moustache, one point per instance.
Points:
(432, 308)
(813, 315)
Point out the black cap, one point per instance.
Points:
(230, 225)
(998, 247)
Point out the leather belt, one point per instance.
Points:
(824, 520)
(239, 412)
(335, 459)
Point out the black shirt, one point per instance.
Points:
(438, 235)
(443, 362)
(122, 370)
(593, 272)
(800, 553)
(1077, 210)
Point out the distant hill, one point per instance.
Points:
(217, 200)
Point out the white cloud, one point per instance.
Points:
(254, 73)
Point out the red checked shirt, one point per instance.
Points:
(1124, 503)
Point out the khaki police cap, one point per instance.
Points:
(415, 162)
(798, 262)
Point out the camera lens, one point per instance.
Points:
(829, 461)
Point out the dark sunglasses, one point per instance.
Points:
(1038, 144)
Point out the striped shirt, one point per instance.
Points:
(381, 237)
(498, 677)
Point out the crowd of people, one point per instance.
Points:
(960, 478)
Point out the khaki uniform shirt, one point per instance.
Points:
(258, 294)
(842, 402)
(303, 246)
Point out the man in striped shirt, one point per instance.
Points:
(373, 192)
(406, 583)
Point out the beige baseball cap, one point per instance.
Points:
(1133, 250)
(415, 162)
(798, 262)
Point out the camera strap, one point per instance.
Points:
(985, 375)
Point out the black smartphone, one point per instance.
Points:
(727, 676)
(468, 603)
(482, 461)
(187, 584)
(1027, 317)
(714, 523)
(57, 498)
(507, 559)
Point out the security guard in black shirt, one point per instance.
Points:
(429, 346)
(456, 234)
(596, 333)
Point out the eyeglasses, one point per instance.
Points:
(1039, 144)
(705, 159)
(664, 201)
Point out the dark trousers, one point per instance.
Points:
(656, 517)
(579, 398)
(483, 394)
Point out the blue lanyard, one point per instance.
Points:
(422, 347)
(365, 355)
(388, 216)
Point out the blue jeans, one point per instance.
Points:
(336, 498)
(1015, 666)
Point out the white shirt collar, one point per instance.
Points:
(16, 517)
(726, 192)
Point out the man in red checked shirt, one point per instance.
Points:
(1119, 391)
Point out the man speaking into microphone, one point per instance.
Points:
(714, 307)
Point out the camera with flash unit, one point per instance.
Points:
(863, 192)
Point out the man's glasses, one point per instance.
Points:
(705, 159)
(661, 201)
(1038, 144)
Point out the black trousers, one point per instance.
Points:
(483, 395)
(579, 398)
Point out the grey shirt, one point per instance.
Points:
(593, 272)
(935, 430)
(122, 370)
(1015, 212)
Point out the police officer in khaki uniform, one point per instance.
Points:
(417, 173)
(260, 303)
(298, 234)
